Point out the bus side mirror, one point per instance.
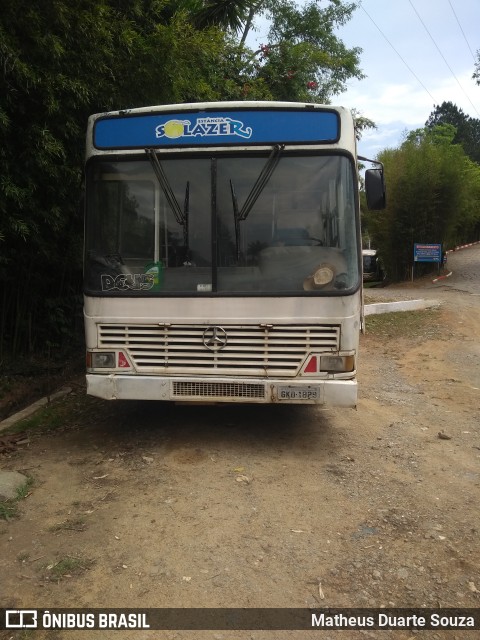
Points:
(375, 189)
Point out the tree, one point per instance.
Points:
(433, 191)
(467, 128)
(302, 60)
(362, 123)
(60, 61)
(476, 73)
(226, 14)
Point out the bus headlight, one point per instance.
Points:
(323, 275)
(337, 364)
(102, 360)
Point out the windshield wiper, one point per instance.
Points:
(261, 182)
(236, 220)
(180, 216)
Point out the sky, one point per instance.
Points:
(416, 54)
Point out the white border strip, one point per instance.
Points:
(403, 305)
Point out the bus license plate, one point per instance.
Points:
(298, 393)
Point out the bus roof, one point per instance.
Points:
(231, 104)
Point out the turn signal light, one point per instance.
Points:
(122, 361)
(312, 366)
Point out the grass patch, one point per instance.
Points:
(51, 416)
(412, 324)
(60, 413)
(8, 509)
(68, 567)
(72, 524)
(24, 490)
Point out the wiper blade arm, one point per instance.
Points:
(186, 211)
(236, 220)
(166, 188)
(180, 216)
(261, 182)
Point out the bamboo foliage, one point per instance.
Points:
(61, 60)
(433, 195)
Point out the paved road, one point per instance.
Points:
(465, 267)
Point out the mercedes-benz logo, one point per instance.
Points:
(215, 338)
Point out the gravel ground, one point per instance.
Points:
(157, 505)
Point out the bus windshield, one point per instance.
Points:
(269, 224)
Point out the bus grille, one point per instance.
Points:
(218, 390)
(251, 350)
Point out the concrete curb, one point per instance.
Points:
(464, 246)
(25, 413)
(443, 277)
(403, 305)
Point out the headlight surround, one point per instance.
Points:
(103, 360)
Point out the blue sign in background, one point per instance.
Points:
(238, 127)
(427, 252)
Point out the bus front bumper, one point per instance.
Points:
(332, 392)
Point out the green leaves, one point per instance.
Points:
(226, 14)
(433, 193)
(304, 60)
(476, 73)
(467, 129)
(61, 60)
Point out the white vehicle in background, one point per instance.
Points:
(372, 267)
(223, 256)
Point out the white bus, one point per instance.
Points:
(223, 257)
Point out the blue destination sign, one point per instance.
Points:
(239, 127)
(427, 252)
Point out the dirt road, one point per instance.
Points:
(156, 505)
